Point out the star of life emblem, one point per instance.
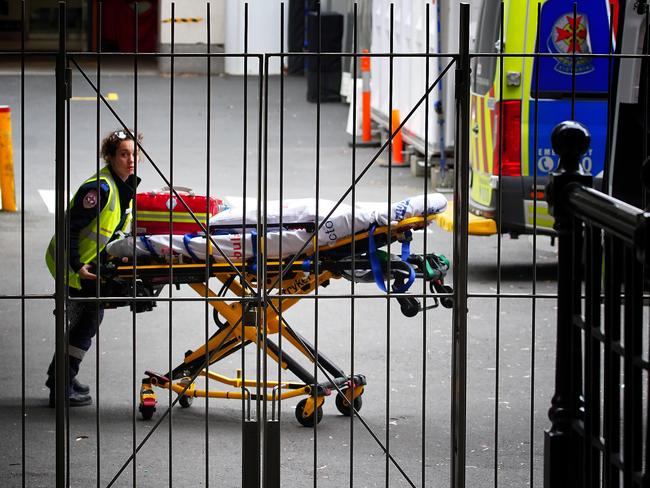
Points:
(569, 35)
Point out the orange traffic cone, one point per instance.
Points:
(398, 157)
(367, 139)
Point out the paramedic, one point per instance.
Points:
(109, 198)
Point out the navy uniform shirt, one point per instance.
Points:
(88, 204)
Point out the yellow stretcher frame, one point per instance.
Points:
(242, 327)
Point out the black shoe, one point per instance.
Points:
(75, 385)
(79, 387)
(75, 399)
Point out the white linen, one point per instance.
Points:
(237, 245)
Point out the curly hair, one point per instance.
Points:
(112, 141)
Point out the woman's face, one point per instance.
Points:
(123, 163)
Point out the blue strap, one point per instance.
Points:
(145, 240)
(376, 267)
(374, 262)
(306, 265)
(186, 242)
(409, 282)
(406, 245)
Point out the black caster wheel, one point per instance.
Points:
(447, 302)
(343, 405)
(146, 412)
(185, 401)
(309, 420)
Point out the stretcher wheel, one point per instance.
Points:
(309, 420)
(146, 411)
(447, 302)
(343, 405)
(185, 401)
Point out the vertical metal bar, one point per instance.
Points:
(263, 178)
(281, 198)
(575, 359)
(272, 446)
(461, 208)
(633, 396)
(316, 222)
(171, 190)
(67, 231)
(644, 85)
(558, 439)
(427, 62)
(562, 454)
(611, 100)
(272, 454)
(261, 315)
(60, 242)
(497, 332)
(97, 338)
(355, 101)
(244, 194)
(592, 356)
(280, 258)
(134, 383)
(388, 202)
(250, 455)
(208, 258)
(573, 63)
(533, 325)
(611, 403)
(271, 465)
(23, 470)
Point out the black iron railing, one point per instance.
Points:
(599, 411)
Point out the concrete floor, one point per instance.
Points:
(403, 359)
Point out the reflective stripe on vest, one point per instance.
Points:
(91, 243)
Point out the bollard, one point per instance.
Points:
(7, 187)
(366, 135)
(398, 157)
(368, 139)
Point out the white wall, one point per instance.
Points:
(264, 24)
(190, 32)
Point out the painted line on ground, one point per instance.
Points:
(48, 197)
(111, 97)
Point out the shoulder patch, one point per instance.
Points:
(90, 199)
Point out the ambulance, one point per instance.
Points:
(517, 100)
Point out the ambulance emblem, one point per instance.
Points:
(571, 34)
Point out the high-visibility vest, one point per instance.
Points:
(91, 243)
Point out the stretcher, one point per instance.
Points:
(243, 318)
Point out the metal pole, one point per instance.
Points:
(561, 459)
(60, 281)
(461, 208)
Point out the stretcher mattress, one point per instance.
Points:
(233, 230)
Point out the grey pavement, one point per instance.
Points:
(406, 404)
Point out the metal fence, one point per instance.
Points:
(599, 410)
(458, 430)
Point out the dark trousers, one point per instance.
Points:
(83, 321)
